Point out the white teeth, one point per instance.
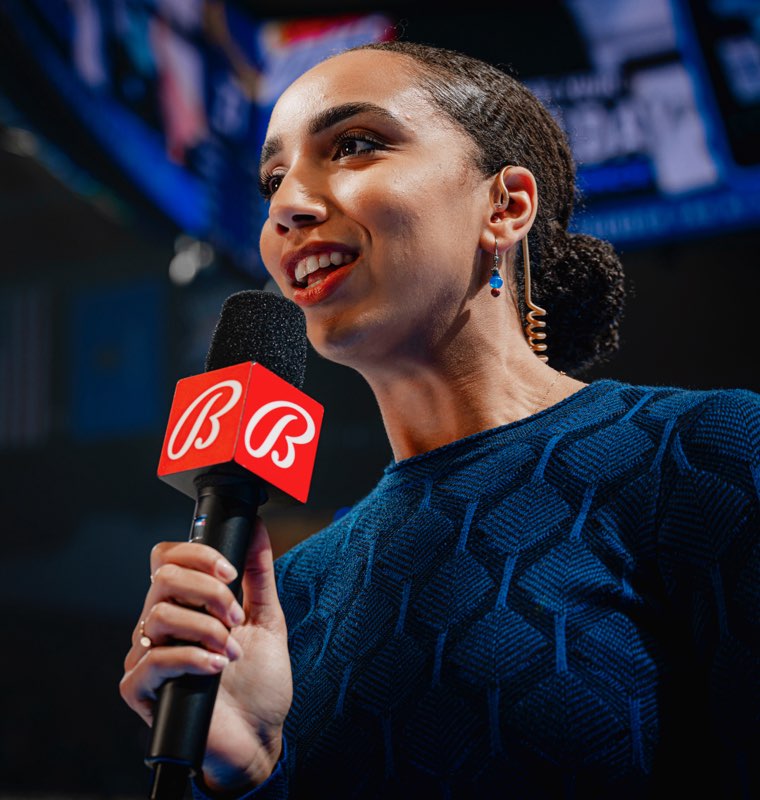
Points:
(305, 267)
(312, 263)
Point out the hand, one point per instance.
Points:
(189, 600)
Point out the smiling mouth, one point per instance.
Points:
(316, 268)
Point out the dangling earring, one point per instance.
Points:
(535, 311)
(496, 281)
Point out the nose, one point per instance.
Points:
(296, 204)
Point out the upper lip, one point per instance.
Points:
(290, 260)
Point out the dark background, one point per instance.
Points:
(82, 512)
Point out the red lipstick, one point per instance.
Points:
(320, 291)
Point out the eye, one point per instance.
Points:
(273, 183)
(355, 144)
(269, 184)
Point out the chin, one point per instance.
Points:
(351, 341)
(335, 340)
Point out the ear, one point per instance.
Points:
(513, 202)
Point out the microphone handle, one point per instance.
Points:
(225, 514)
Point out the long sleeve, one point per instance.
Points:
(709, 538)
(275, 787)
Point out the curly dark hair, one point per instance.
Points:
(578, 279)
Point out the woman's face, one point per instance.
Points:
(375, 209)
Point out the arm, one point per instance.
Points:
(709, 537)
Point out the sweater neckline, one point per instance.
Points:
(587, 392)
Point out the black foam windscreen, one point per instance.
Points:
(263, 327)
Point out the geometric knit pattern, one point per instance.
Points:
(564, 606)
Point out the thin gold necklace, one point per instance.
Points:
(551, 386)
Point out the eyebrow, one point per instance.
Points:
(326, 119)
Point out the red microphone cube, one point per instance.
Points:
(247, 415)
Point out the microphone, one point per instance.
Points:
(233, 429)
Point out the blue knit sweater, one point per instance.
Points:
(564, 606)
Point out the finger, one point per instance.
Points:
(167, 623)
(194, 589)
(135, 653)
(139, 685)
(208, 560)
(201, 562)
(171, 586)
(260, 599)
(192, 555)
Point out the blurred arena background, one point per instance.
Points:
(129, 136)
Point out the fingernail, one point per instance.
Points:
(233, 648)
(225, 570)
(237, 615)
(218, 662)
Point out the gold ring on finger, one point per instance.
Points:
(145, 640)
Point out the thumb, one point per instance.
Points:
(260, 600)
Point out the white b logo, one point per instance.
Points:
(266, 446)
(214, 393)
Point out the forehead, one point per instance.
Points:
(386, 79)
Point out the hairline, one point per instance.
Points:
(425, 77)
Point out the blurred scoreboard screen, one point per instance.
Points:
(664, 123)
(178, 94)
(728, 34)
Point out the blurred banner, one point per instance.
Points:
(664, 119)
(178, 93)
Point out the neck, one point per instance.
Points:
(474, 383)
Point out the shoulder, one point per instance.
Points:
(669, 401)
(715, 431)
(713, 425)
(726, 422)
(688, 460)
(630, 435)
(709, 480)
(704, 441)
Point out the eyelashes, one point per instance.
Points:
(343, 141)
(266, 189)
(343, 146)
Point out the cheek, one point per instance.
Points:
(382, 200)
(270, 247)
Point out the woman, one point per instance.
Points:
(549, 592)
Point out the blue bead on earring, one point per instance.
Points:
(496, 281)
